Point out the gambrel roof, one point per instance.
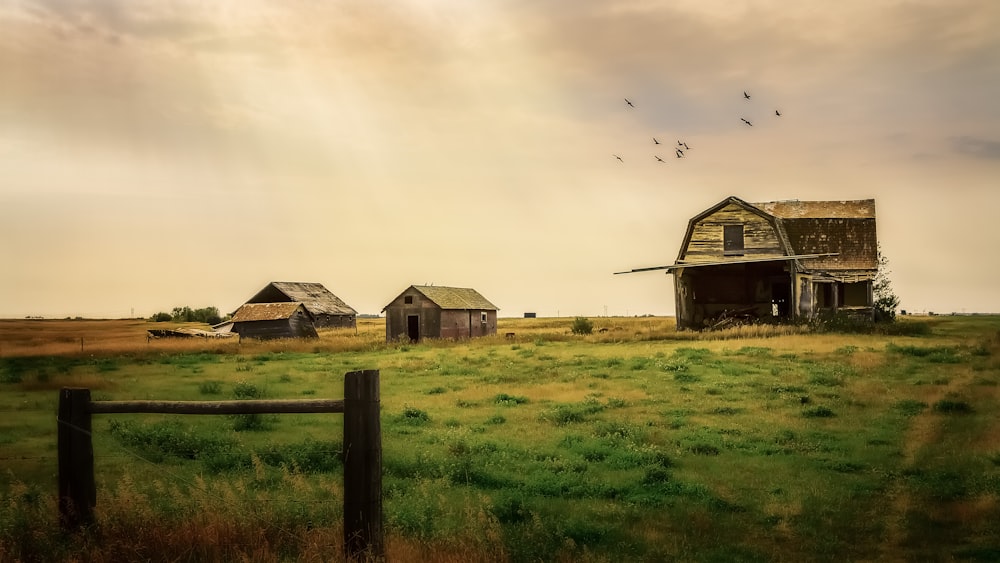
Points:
(833, 237)
(317, 299)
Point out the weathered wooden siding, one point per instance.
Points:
(297, 326)
(397, 312)
(706, 241)
(467, 323)
(335, 321)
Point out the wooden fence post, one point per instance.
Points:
(77, 491)
(362, 467)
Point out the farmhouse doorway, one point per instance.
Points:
(413, 327)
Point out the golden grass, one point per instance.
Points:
(100, 338)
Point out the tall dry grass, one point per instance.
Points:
(103, 338)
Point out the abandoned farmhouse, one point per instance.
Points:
(426, 311)
(783, 260)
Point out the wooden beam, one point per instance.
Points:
(218, 407)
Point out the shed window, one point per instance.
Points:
(408, 300)
(732, 237)
(482, 316)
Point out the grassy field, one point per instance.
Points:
(635, 443)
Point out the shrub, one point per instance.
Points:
(818, 412)
(910, 407)
(244, 390)
(413, 416)
(704, 449)
(949, 406)
(210, 387)
(161, 317)
(582, 325)
(509, 400)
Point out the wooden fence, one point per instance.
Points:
(362, 452)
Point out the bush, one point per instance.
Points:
(949, 406)
(818, 412)
(244, 390)
(582, 325)
(161, 317)
(210, 387)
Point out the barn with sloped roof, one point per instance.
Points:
(428, 311)
(272, 320)
(327, 310)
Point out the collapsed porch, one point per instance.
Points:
(772, 290)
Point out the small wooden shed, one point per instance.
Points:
(428, 311)
(327, 310)
(273, 320)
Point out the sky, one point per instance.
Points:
(158, 154)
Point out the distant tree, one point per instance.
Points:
(886, 300)
(161, 317)
(582, 325)
(208, 315)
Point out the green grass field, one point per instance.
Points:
(637, 443)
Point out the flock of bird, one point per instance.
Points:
(681, 147)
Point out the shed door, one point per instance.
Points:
(413, 327)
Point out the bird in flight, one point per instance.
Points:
(778, 113)
(618, 157)
(683, 144)
(747, 122)
(745, 95)
(630, 104)
(680, 153)
(655, 142)
(658, 159)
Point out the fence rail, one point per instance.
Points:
(362, 451)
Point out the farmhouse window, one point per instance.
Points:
(408, 300)
(732, 240)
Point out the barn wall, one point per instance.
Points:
(301, 325)
(467, 323)
(324, 320)
(706, 241)
(294, 327)
(397, 312)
